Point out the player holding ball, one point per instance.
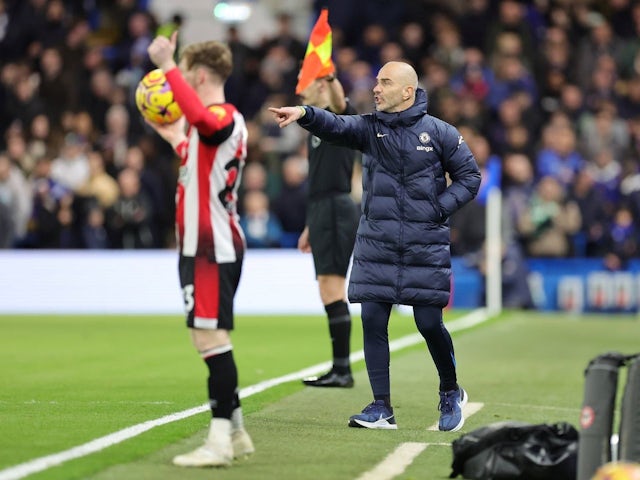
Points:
(211, 140)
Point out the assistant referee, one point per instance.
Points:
(332, 222)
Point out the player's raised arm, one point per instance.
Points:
(209, 65)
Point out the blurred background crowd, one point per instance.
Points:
(546, 93)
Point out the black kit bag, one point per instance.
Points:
(516, 450)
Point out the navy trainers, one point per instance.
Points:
(451, 403)
(375, 415)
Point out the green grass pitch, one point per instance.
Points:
(66, 380)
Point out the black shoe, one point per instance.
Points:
(331, 379)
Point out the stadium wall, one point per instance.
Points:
(273, 282)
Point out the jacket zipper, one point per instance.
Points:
(401, 239)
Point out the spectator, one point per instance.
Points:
(601, 85)
(42, 139)
(607, 175)
(559, 157)
(600, 42)
(115, 141)
(99, 96)
(412, 42)
(94, 233)
(447, 49)
(511, 77)
(515, 286)
(44, 226)
(473, 78)
(518, 184)
(629, 106)
(54, 84)
(509, 114)
(473, 23)
(71, 168)
(621, 240)
(571, 101)
(603, 130)
(254, 178)
(549, 220)
(285, 37)
(18, 151)
(129, 220)
(99, 185)
(262, 228)
(290, 206)
(510, 19)
(16, 205)
(595, 215)
(23, 103)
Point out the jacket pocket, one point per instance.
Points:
(432, 197)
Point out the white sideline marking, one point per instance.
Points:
(43, 463)
(395, 463)
(468, 410)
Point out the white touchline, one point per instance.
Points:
(397, 461)
(21, 470)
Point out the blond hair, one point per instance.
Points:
(212, 55)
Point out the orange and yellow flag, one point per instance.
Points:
(317, 61)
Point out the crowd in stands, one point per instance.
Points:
(546, 93)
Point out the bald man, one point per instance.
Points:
(401, 254)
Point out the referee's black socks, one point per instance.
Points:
(340, 331)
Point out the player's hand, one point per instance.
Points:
(172, 132)
(286, 115)
(303, 242)
(161, 51)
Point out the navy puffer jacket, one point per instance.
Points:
(402, 252)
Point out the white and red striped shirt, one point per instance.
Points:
(212, 159)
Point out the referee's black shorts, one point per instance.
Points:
(333, 222)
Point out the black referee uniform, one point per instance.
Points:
(332, 216)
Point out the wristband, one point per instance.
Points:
(304, 110)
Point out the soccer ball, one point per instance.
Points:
(154, 98)
(618, 471)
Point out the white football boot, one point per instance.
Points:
(217, 450)
(240, 439)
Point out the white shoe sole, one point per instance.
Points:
(200, 458)
(378, 424)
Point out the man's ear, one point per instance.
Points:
(408, 92)
(201, 76)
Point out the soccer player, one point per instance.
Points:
(211, 243)
(402, 250)
(332, 221)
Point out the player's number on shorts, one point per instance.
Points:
(187, 293)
